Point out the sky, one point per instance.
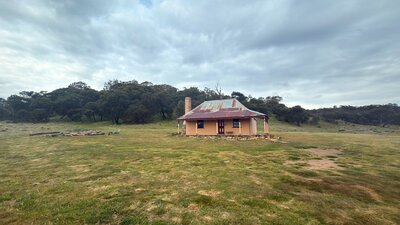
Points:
(312, 53)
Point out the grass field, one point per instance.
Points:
(145, 175)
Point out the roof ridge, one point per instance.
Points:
(221, 108)
(220, 99)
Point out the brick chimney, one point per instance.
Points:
(188, 104)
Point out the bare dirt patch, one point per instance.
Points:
(316, 164)
(322, 164)
(193, 207)
(327, 159)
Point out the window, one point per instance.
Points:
(200, 123)
(236, 123)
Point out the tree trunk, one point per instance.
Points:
(163, 115)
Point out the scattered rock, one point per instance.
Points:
(176, 220)
(277, 140)
(255, 179)
(151, 208)
(139, 190)
(207, 218)
(225, 215)
(240, 137)
(100, 188)
(113, 132)
(211, 193)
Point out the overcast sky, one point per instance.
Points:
(313, 53)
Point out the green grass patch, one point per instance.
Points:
(144, 175)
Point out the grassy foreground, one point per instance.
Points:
(144, 175)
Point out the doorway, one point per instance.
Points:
(221, 127)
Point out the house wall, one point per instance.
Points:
(209, 128)
(190, 127)
(253, 126)
(247, 127)
(243, 130)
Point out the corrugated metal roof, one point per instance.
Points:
(220, 109)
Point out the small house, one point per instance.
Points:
(221, 117)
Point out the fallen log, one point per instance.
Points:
(44, 133)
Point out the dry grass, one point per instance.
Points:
(146, 176)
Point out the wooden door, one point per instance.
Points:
(221, 127)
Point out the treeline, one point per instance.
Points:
(380, 115)
(134, 102)
(131, 102)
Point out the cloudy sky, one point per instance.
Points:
(312, 53)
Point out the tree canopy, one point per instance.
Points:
(134, 102)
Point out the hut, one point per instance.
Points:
(221, 117)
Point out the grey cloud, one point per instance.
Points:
(313, 53)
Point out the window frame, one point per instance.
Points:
(200, 122)
(238, 123)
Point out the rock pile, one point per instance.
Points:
(74, 133)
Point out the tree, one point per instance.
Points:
(19, 107)
(5, 111)
(22, 115)
(40, 115)
(115, 103)
(210, 94)
(65, 103)
(218, 90)
(90, 110)
(296, 115)
(75, 114)
(79, 85)
(137, 114)
(163, 100)
(239, 96)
